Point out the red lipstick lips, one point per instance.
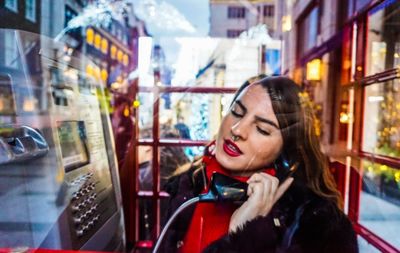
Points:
(231, 148)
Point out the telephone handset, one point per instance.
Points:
(225, 188)
(222, 188)
(284, 168)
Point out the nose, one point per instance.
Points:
(239, 129)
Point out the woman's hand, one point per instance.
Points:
(263, 191)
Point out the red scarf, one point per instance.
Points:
(210, 221)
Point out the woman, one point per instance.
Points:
(267, 132)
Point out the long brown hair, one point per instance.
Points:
(300, 143)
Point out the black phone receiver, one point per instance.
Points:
(284, 168)
(225, 188)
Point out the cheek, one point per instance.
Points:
(267, 150)
(224, 128)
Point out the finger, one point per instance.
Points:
(266, 183)
(256, 191)
(249, 190)
(283, 188)
(275, 185)
(273, 181)
(255, 181)
(270, 186)
(256, 177)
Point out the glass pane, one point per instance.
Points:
(146, 220)
(308, 32)
(365, 247)
(382, 119)
(173, 160)
(193, 116)
(145, 156)
(146, 115)
(380, 201)
(383, 39)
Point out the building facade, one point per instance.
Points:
(23, 15)
(229, 18)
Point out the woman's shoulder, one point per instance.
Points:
(300, 196)
(323, 214)
(324, 226)
(316, 223)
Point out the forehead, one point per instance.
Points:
(255, 96)
(258, 103)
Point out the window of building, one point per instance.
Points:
(354, 6)
(12, 5)
(269, 10)
(308, 32)
(380, 200)
(233, 33)
(383, 35)
(381, 127)
(30, 10)
(236, 12)
(11, 52)
(113, 29)
(125, 38)
(119, 34)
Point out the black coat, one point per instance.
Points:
(299, 222)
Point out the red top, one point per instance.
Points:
(210, 221)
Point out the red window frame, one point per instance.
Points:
(359, 83)
(133, 194)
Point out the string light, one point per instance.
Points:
(136, 103)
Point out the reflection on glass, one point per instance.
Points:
(382, 122)
(380, 201)
(193, 116)
(172, 160)
(146, 115)
(7, 100)
(383, 39)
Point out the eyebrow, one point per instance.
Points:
(267, 121)
(239, 103)
(258, 118)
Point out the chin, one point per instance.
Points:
(227, 162)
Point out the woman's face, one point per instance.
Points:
(249, 137)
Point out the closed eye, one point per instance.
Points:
(235, 114)
(263, 132)
(238, 110)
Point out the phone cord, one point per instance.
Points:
(174, 215)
